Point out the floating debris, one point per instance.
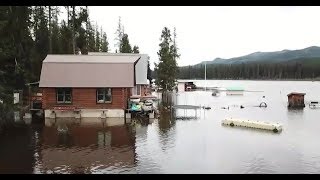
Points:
(275, 127)
(314, 105)
(263, 104)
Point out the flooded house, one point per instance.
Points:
(88, 86)
(296, 100)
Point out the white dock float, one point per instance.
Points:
(275, 127)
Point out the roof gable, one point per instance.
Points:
(88, 71)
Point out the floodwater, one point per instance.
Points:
(168, 145)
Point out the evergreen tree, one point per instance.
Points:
(166, 69)
(97, 41)
(66, 39)
(119, 35)
(41, 46)
(135, 49)
(91, 38)
(105, 44)
(125, 46)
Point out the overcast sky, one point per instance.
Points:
(204, 33)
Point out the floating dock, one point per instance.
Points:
(275, 127)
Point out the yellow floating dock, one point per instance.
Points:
(275, 127)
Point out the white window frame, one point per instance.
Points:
(64, 95)
(105, 92)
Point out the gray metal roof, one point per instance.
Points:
(89, 59)
(141, 67)
(87, 71)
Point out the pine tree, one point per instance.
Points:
(166, 69)
(73, 29)
(125, 46)
(119, 35)
(50, 29)
(97, 41)
(135, 49)
(174, 46)
(105, 44)
(66, 39)
(91, 38)
(41, 33)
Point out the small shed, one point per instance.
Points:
(181, 86)
(189, 86)
(296, 100)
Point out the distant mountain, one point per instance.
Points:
(271, 57)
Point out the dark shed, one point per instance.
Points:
(296, 100)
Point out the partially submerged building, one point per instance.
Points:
(296, 100)
(88, 85)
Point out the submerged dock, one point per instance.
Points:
(275, 127)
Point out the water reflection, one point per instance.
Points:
(17, 151)
(166, 121)
(84, 148)
(295, 113)
(68, 148)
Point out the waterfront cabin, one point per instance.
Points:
(87, 85)
(234, 91)
(296, 100)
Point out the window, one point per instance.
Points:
(104, 95)
(64, 95)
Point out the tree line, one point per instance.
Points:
(29, 33)
(289, 70)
